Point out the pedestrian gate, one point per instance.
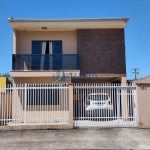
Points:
(104, 105)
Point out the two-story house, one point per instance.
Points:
(48, 50)
(44, 48)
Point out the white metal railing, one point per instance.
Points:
(34, 104)
(104, 104)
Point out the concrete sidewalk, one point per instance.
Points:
(107, 138)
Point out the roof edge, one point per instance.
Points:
(11, 19)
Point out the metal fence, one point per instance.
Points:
(34, 104)
(106, 105)
(94, 104)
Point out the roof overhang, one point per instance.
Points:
(66, 24)
(144, 80)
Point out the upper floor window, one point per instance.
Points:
(47, 47)
(46, 55)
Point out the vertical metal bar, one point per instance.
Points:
(63, 95)
(2, 100)
(66, 102)
(74, 102)
(86, 114)
(73, 105)
(33, 104)
(47, 118)
(132, 109)
(13, 103)
(135, 107)
(27, 106)
(16, 104)
(29, 101)
(55, 98)
(19, 115)
(118, 104)
(6, 104)
(25, 102)
(58, 90)
(111, 103)
(40, 103)
(114, 100)
(77, 105)
(130, 106)
(83, 104)
(1, 103)
(4, 107)
(60, 102)
(45, 104)
(99, 110)
(10, 103)
(85, 101)
(90, 111)
(95, 113)
(36, 102)
(52, 99)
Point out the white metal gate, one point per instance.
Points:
(34, 104)
(104, 105)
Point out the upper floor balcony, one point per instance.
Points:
(43, 62)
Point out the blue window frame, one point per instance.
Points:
(36, 47)
(36, 57)
(42, 50)
(57, 54)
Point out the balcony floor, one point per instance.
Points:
(43, 73)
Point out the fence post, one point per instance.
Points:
(124, 103)
(25, 103)
(71, 105)
(135, 107)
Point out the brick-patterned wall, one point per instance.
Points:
(101, 50)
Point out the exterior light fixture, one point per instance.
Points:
(44, 28)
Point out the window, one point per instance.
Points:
(46, 55)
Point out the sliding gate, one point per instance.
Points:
(104, 105)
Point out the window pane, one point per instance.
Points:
(36, 47)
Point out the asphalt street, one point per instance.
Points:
(99, 138)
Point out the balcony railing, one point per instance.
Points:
(45, 62)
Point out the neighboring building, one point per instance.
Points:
(143, 94)
(3, 81)
(44, 48)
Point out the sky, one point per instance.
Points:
(137, 31)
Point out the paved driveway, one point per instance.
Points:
(107, 138)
